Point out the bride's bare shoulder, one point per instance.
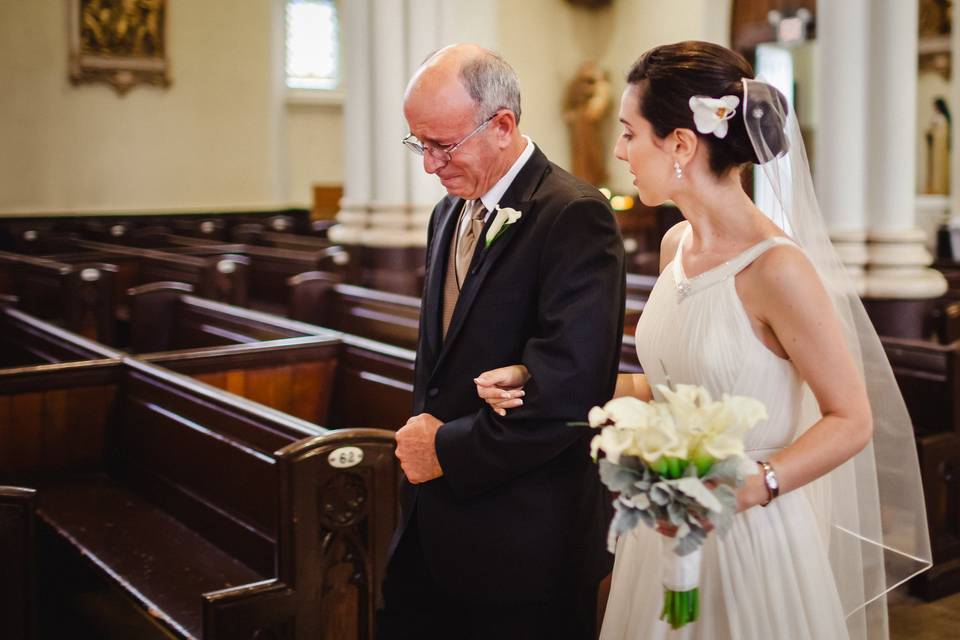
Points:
(782, 272)
(670, 241)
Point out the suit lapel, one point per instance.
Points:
(518, 196)
(436, 271)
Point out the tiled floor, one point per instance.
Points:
(914, 619)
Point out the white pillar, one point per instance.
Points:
(389, 215)
(955, 109)
(358, 142)
(841, 149)
(897, 252)
(387, 196)
(425, 35)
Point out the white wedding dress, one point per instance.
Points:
(769, 576)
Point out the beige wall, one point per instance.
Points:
(223, 137)
(219, 138)
(546, 40)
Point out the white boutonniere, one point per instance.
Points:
(504, 218)
(710, 115)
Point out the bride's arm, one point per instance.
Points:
(633, 384)
(502, 388)
(782, 292)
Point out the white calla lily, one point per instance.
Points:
(505, 216)
(615, 441)
(630, 412)
(597, 417)
(659, 439)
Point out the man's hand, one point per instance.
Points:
(417, 450)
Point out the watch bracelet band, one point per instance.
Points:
(770, 481)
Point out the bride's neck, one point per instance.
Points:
(721, 214)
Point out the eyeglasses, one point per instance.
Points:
(445, 153)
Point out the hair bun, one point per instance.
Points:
(669, 75)
(765, 115)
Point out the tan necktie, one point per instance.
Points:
(461, 254)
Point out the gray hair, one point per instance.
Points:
(493, 85)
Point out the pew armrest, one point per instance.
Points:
(265, 608)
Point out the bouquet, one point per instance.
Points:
(676, 461)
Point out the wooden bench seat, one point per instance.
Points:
(18, 557)
(160, 562)
(202, 507)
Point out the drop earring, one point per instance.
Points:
(678, 169)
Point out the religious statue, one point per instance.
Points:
(938, 149)
(586, 103)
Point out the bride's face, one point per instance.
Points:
(646, 154)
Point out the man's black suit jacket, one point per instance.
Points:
(520, 515)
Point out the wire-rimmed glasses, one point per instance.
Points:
(442, 154)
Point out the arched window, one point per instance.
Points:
(313, 45)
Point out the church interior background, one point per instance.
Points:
(126, 112)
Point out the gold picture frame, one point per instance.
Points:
(119, 42)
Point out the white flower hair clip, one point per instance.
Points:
(711, 114)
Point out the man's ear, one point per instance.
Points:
(504, 123)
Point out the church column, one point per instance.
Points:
(387, 196)
(389, 215)
(897, 255)
(357, 134)
(955, 109)
(425, 20)
(841, 145)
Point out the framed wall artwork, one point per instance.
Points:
(119, 42)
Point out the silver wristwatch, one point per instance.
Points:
(769, 479)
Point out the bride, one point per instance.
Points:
(755, 302)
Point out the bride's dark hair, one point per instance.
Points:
(667, 76)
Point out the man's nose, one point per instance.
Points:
(432, 164)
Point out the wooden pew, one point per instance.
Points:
(929, 378)
(629, 362)
(944, 321)
(270, 268)
(18, 556)
(79, 295)
(201, 227)
(26, 340)
(639, 285)
(219, 277)
(212, 513)
(378, 315)
(373, 381)
(292, 375)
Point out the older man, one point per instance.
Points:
(504, 518)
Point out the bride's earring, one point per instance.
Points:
(678, 169)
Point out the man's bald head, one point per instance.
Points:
(462, 106)
(488, 80)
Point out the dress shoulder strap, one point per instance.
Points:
(745, 259)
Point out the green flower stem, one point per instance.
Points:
(704, 462)
(673, 468)
(680, 608)
(661, 467)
